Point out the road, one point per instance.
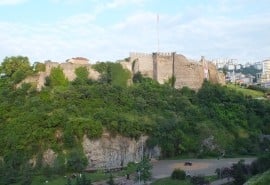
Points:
(205, 167)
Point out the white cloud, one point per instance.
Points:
(11, 2)
(80, 19)
(188, 32)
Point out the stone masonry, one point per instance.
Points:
(68, 67)
(163, 66)
(158, 66)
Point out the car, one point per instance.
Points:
(188, 163)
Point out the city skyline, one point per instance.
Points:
(103, 30)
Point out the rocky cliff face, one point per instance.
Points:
(108, 152)
(112, 152)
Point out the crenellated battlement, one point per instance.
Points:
(139, 54)
(164, 54)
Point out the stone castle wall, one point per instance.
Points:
(164, 69)
(144, 64)
(214, 75)
(159, 66)
(189, 74)
(163, 66)
(68, 69)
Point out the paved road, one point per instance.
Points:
(205, 167)
(221, 181)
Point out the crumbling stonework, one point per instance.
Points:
(163, 66)
(69, 68)
(158, 66)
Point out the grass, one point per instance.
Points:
(61, 180)
(211, 178)
(262, 179)
(246, 92)
(169, 181)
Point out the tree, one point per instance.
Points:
(26, 174)
(57, 77)
(76, 161)
(68, 181)
(39, 67)
(59, 166)
(17, 68)
(85, 181)
(111, 181)
(82, 76)
(137, 77)
(131, 168)
(240, 172)
(144, 169)
(178, 174)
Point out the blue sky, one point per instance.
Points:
(107, 30)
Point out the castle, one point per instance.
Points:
(158, 66)
(164, 66)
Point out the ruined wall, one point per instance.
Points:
(164, 70)
(69, 70)
(142, 62)
(39, 79)
(187, 73)
(214, 75)
(162, 66)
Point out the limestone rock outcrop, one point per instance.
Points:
(112, 152)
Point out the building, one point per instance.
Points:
(78, 60)
(265, 77)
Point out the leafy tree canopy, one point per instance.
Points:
(17, 68)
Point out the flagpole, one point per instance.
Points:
(157, 32)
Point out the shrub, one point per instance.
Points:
(178, 174)
(76, 161)
(198, 180)
(261, 165)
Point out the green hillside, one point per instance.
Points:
(245, 91)
(262, 179)
(178, 120)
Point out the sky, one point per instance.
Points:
(108, 30)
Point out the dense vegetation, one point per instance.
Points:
(262, 179)
(178, 120)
